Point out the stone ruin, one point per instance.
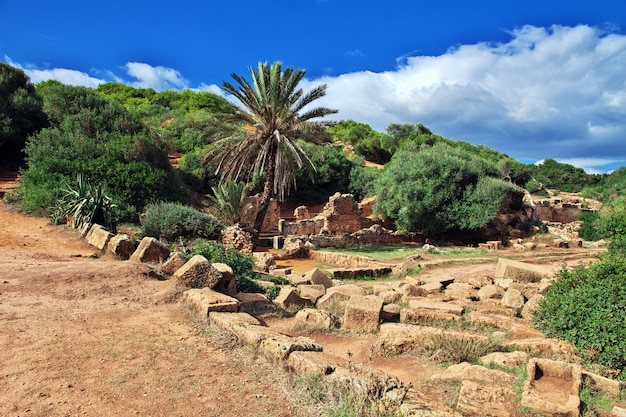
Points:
(344, 222)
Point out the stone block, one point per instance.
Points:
(99, 237)
(314, 320)
(316, 276)
(201, 302)
(174, 263)
(520, 271)
(288, 297)
(551, 397)
(513, 298)
(436, 305)
(278, 348)
(150, 250)
(362, 313)
(198, 273)
(311, 363)
(122, 246)
(484, 399)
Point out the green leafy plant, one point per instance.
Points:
(171, 221)
(85, 203)
(227, 201)
(587, 306)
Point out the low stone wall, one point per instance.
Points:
(342, 259)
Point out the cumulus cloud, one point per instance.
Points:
(555, 92)
(158, 78)
(211, 88)
(64, 75)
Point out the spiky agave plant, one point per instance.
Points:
(85, 203)
(227, 201)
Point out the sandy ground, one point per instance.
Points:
(83, 336)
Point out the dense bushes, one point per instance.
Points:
(332, 174)
(173, 220)
(98, 138)
(439, 188)
(587, 306)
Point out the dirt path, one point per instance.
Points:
(95, 337)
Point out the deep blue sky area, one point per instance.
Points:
(533, 79)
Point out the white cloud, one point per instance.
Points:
(158, 78)
(66, 76)
(211, 88)
(555, 92)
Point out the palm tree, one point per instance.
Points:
(271, 121)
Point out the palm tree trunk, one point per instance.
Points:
(266, 196)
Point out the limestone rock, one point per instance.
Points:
(490, 292)
(122, 246)
(99, 237)
(228, 282)
(466, 371)
(460, 290)
(278, 347)
(310, 319)
(546, 348)
(483, 399)
(174, 263)
(479, 280)
(312, 292)
(316, 276)
(264, 261)
(390, 313)
(225, 320)
(313, 363)
(150, 250)
(198, 273)
(236, 237)
(200, 302)
(334, 302)
(506, 360)
(421, 315)
(390, 296)
(348, 289)
(363, 313)
(513, 299)
(296, 278)
(528, 312)
(288, 297)
(519, 271)
(565, 400)
(436, 305)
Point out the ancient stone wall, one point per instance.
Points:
(249, 211)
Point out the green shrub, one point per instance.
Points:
(589, 229)
(216, 252)
(587, 306)
(438, 189)
(100, 139)
(227, 201)
(171, 221)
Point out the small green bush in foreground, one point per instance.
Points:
(171, 221)
(587, 306)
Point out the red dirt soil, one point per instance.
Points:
(88, 336)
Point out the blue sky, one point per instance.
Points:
(533, 79)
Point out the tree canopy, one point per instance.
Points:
(21, 109)
(275, 114)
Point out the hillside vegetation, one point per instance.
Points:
(120, 137)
